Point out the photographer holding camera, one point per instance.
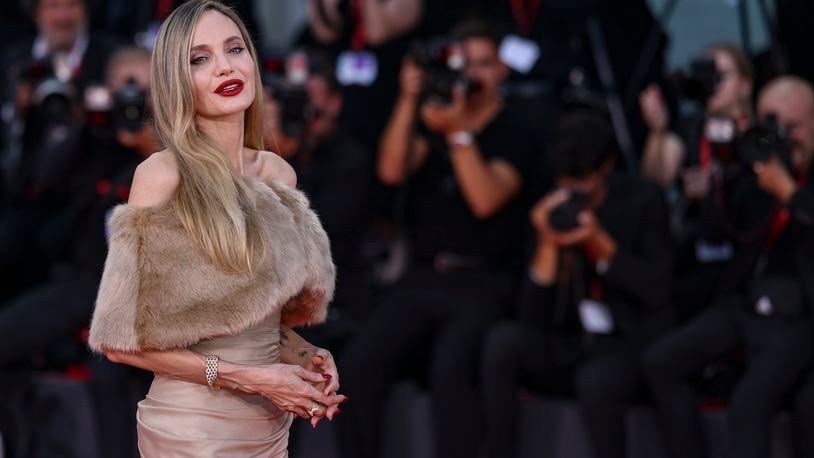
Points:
(720, 82)
(302, 124)
(38, 327)
(43, 82)
(462, 165)
(594, 297)
(767, 286)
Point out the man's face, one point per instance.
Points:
(483, 65)
(795, 112)
(60, 22)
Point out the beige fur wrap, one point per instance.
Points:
(159, 290)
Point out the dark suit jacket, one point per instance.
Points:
(637, 282)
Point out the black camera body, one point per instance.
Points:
(442, 61)
(52, 99)
(699, 82)
(129, 110)
(564, 217)
(763, 140)
(756, 144)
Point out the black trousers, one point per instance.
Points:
(40, 316)
(803, 418)
(777, 351)
(602, 371)
(447, 314)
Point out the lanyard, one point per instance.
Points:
(358, 38)
(524, 14)
(163, 9)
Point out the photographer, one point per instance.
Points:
(721, 83)
(594, 297)
(724, 92)
(38, 327)
(768, 283)
(42, 96)
(462, 165)
(302, 124)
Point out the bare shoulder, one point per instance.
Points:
(155, 180)
(277, 167)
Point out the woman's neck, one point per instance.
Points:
(227, 133)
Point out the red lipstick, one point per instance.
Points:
(230, 88)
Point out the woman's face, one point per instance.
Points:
(222, 68)
(733, 91)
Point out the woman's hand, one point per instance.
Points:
(290, 388)
(323, 362)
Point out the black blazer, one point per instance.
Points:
(637, 282)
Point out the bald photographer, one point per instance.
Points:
(766, 200)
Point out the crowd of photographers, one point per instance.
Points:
(504, 215)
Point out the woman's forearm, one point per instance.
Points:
(187, 366)
(294, 349)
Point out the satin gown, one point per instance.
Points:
(181, 419)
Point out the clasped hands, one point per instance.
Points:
(308, 390)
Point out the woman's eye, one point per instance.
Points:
(237, 50)
(198, 60)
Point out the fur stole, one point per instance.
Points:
(159, 291)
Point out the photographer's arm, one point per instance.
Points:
(486, 185)
(643, 271)
(324, 20)
(663, 155)
(400, 150)
(385, 20)
(664, 150)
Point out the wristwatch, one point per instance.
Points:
(461, 138)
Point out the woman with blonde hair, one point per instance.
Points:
(213, 258)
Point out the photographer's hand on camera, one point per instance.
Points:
(446, 119)
(588, 235)
(774, 178)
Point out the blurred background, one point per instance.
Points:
(429, 136)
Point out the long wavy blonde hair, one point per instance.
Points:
(214, 204)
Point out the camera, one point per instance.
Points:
(288, 89)
(699, 82)
(52, 98)
(763, 140)
(756, 144)
(563, 217)
(443, 62)
(129, 107)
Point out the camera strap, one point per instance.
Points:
(524, 12)
(358, 37)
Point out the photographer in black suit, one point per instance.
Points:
(596, 293)
(43, 108)
(766, 295)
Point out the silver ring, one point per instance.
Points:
(314, 408)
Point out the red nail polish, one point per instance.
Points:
(338, 411)
(344, 400)
(327, 376)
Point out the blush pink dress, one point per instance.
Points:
(181, 419)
